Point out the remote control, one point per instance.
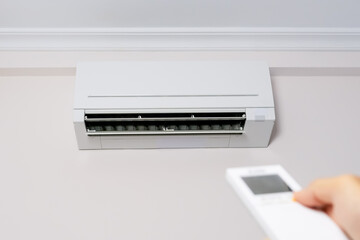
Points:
(267, 191)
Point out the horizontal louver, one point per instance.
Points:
(165, 123)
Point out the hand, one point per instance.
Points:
(339, 197)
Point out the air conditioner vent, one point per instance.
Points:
(165, 123)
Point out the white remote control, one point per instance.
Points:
(267, 191)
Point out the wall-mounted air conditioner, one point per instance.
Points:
(173, 104)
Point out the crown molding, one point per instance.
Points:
(179, 39)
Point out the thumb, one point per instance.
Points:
(319, 194)
(307, 198)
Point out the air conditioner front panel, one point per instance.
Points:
(171, 141)
(172, 84)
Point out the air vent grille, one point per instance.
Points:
(165, 123)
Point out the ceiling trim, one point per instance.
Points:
(180, 39)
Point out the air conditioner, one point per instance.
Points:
(173, 104)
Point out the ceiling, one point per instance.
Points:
(181, 13)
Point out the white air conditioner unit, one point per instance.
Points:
(173, 104)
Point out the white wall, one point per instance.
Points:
(185, 13)
(51, 190)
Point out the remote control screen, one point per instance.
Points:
(266, 184)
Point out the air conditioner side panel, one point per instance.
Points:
(258, 128)
(84, 141)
